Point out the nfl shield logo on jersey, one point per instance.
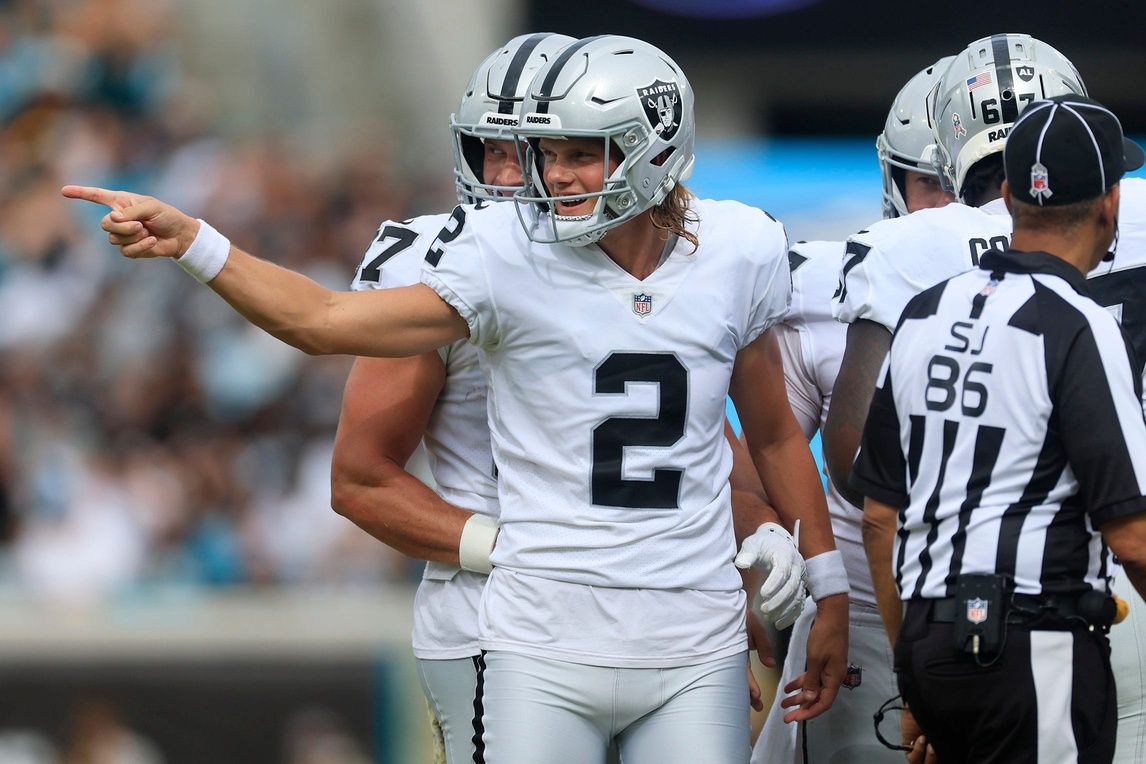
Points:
(1040, 183)
(663, 109)
(642, 304)
(977, 610)
(854, 677)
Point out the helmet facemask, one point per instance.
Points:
(489, 110)
(632, 99)
(616, 201)
(907, 142)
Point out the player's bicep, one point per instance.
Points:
(386, 408)
(394, 322)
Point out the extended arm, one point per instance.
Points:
(788, 472)
(287, 305)
(385, 410)
(859, 371)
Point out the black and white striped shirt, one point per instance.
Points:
(1007, 427)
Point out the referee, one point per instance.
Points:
(1004, 458)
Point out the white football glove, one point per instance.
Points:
(773, 550)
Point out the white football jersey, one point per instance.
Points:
(812, 346)
(1120, 286)
(894, 260)
(456, 441)
(607, 399)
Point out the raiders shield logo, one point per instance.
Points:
(663, 108)
(1026, 73)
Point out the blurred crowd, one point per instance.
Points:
(149, 436)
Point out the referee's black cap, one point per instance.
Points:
(1067, 149)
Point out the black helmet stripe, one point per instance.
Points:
(554, 72)
(1005, 77)
(508, 96)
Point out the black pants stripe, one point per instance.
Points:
(479, 727)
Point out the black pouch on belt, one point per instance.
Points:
(980, 613)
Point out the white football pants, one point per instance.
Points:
(543, 711)
(1128, 661)
(451, 687)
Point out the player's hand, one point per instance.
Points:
(921, 752)
(814, 691)
(773, 550)
(755, 699)
(140, 226)
(912, 735)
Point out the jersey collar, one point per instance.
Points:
(1013, 261)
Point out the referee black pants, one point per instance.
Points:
(1049, 697)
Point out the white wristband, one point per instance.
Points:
(478, 537)
(827, 575)
(207, 254)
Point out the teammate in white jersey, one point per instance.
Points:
(979, 96)
(1119, 284)
(439, 398)
(893, 261)
(613, 610)
(811, 345)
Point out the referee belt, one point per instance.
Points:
(1027, 608)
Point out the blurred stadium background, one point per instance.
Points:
(173, 584)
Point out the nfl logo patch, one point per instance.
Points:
(977, 610)
(642, 304)
(854, 677)
(1040, 182)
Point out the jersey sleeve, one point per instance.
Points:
(455, 267)
(1098, 407)
(804, 394)
(878, 278)
(880, 469)
(394, 258)
(772, 292)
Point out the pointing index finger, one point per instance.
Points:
(93, 194)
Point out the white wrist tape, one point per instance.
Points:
(478, 537)
(827, 575)
(207, 254)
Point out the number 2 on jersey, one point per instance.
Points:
(611, 437)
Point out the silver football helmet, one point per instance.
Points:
(907, 141)
(982, 93)
(632, 97)
(489, 108)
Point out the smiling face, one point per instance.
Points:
(576, 166)
(500, 166)
(921, 192)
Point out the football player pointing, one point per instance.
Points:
(390, 404)
(614, 322)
